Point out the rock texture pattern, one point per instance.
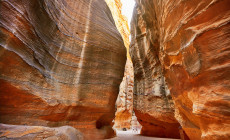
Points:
(61, 63)
(182, 49)
(121, 21)
(11, 132)
(124, 103)
(153, 104)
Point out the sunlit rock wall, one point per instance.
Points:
(61, 63)
(181, 49)
(124, 103)
(120, 20)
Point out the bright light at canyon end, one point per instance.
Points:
(127, 8)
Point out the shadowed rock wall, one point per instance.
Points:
(61, 63)
(180, 51)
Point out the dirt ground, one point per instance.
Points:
(131, 135)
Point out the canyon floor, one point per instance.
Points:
(130, 135)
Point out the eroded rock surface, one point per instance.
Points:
(61, 63)
(11, 132)
(124, 103)
(153, 104)
(180, 49)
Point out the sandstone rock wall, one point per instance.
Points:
(16, 132)
(121, 21)
(61, 63)
(153, 104)
(180, 52)
(124, 103)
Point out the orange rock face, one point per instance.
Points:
(182, 46)
(124, 103)
(61, 63)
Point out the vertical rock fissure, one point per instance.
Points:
(124, 103)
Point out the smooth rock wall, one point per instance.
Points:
(61, 63)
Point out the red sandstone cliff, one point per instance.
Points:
(180, 51)
(61, 63)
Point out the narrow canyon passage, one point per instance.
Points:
(76, 70)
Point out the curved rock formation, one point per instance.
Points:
(182, 46)
(61, 63)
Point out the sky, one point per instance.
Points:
(127, 8)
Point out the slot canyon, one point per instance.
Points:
(75, 70)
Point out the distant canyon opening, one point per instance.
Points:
(170, 79)
(125, 119)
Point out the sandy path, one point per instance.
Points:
(130, 135)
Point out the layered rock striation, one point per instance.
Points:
(61, 63)
(153, 104)
(180, 52)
